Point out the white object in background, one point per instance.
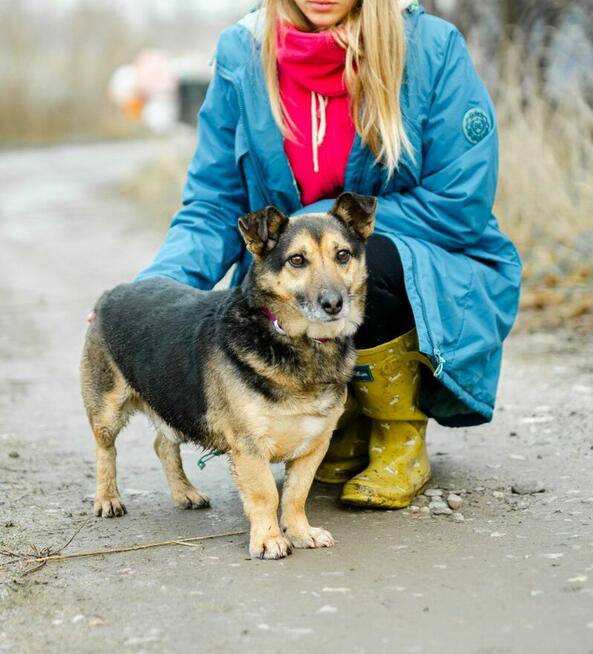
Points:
(160, 113)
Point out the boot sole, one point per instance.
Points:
(329, 473)
(374, 500)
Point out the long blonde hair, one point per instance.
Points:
(375, 41)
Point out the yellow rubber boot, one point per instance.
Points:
(386, 387)
(348, 451)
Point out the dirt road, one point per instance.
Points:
(516, 576)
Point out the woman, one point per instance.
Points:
(310, 98)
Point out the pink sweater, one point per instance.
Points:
(314, 94)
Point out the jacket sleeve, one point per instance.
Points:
(452, 202)
(203, 240)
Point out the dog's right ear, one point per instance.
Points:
(261, 230)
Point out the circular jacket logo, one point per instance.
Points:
(476, 125)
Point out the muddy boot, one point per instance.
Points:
(386, 387)
(348, 451)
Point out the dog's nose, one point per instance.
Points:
(331, 302)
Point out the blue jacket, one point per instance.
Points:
(462, 274)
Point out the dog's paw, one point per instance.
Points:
(190, 498)
(310, 538)
(109, 507)
(272, 547)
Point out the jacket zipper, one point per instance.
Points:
(296, 186)
(436, 352)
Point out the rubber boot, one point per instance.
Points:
(386, 387)
(348, 451)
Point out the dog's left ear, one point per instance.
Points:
(357, 212)
(261, 230)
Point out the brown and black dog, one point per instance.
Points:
(258, 371)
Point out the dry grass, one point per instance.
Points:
(56, 60)
(54, 71)
(545, 198)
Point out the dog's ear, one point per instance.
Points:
(357, 212)
(261, 230)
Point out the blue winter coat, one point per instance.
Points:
(462, 274)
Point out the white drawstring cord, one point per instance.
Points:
(317, 129)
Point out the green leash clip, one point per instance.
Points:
(203, 460)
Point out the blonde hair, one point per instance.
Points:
(374, 37)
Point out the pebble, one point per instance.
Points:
(433, 492)
(454, 501)
(9, 524)
(96, 621)
(528, 487)
(327, 608)
(424, 509)
(13, 454)
(580, 579)
(438, 507)
(458, 517)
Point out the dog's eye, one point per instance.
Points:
(297, 260)
(343, 256)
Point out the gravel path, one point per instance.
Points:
(498, 560)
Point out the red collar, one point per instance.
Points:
(271, 316)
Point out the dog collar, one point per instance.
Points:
(271, 316)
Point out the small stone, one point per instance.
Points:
(13, 454)
(528, 487)
(424, 509)
(8, 524)
(96, 621)
(499, 495)
(327, 608)
(458, 517)
(414, 508)
(454, 501)
(438, 507)
(433, 492)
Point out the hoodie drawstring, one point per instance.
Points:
(318, 105)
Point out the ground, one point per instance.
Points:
(515, 576)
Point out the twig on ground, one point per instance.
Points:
(46, 555)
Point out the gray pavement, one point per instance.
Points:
(516, 576)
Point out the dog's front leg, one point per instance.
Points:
(257, 487)
(299, 477)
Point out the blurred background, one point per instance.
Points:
(75, 71)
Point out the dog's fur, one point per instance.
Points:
(214, 368)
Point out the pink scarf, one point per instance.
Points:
(314, 93)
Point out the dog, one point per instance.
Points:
(259, 371)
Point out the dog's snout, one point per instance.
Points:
(331, 302)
